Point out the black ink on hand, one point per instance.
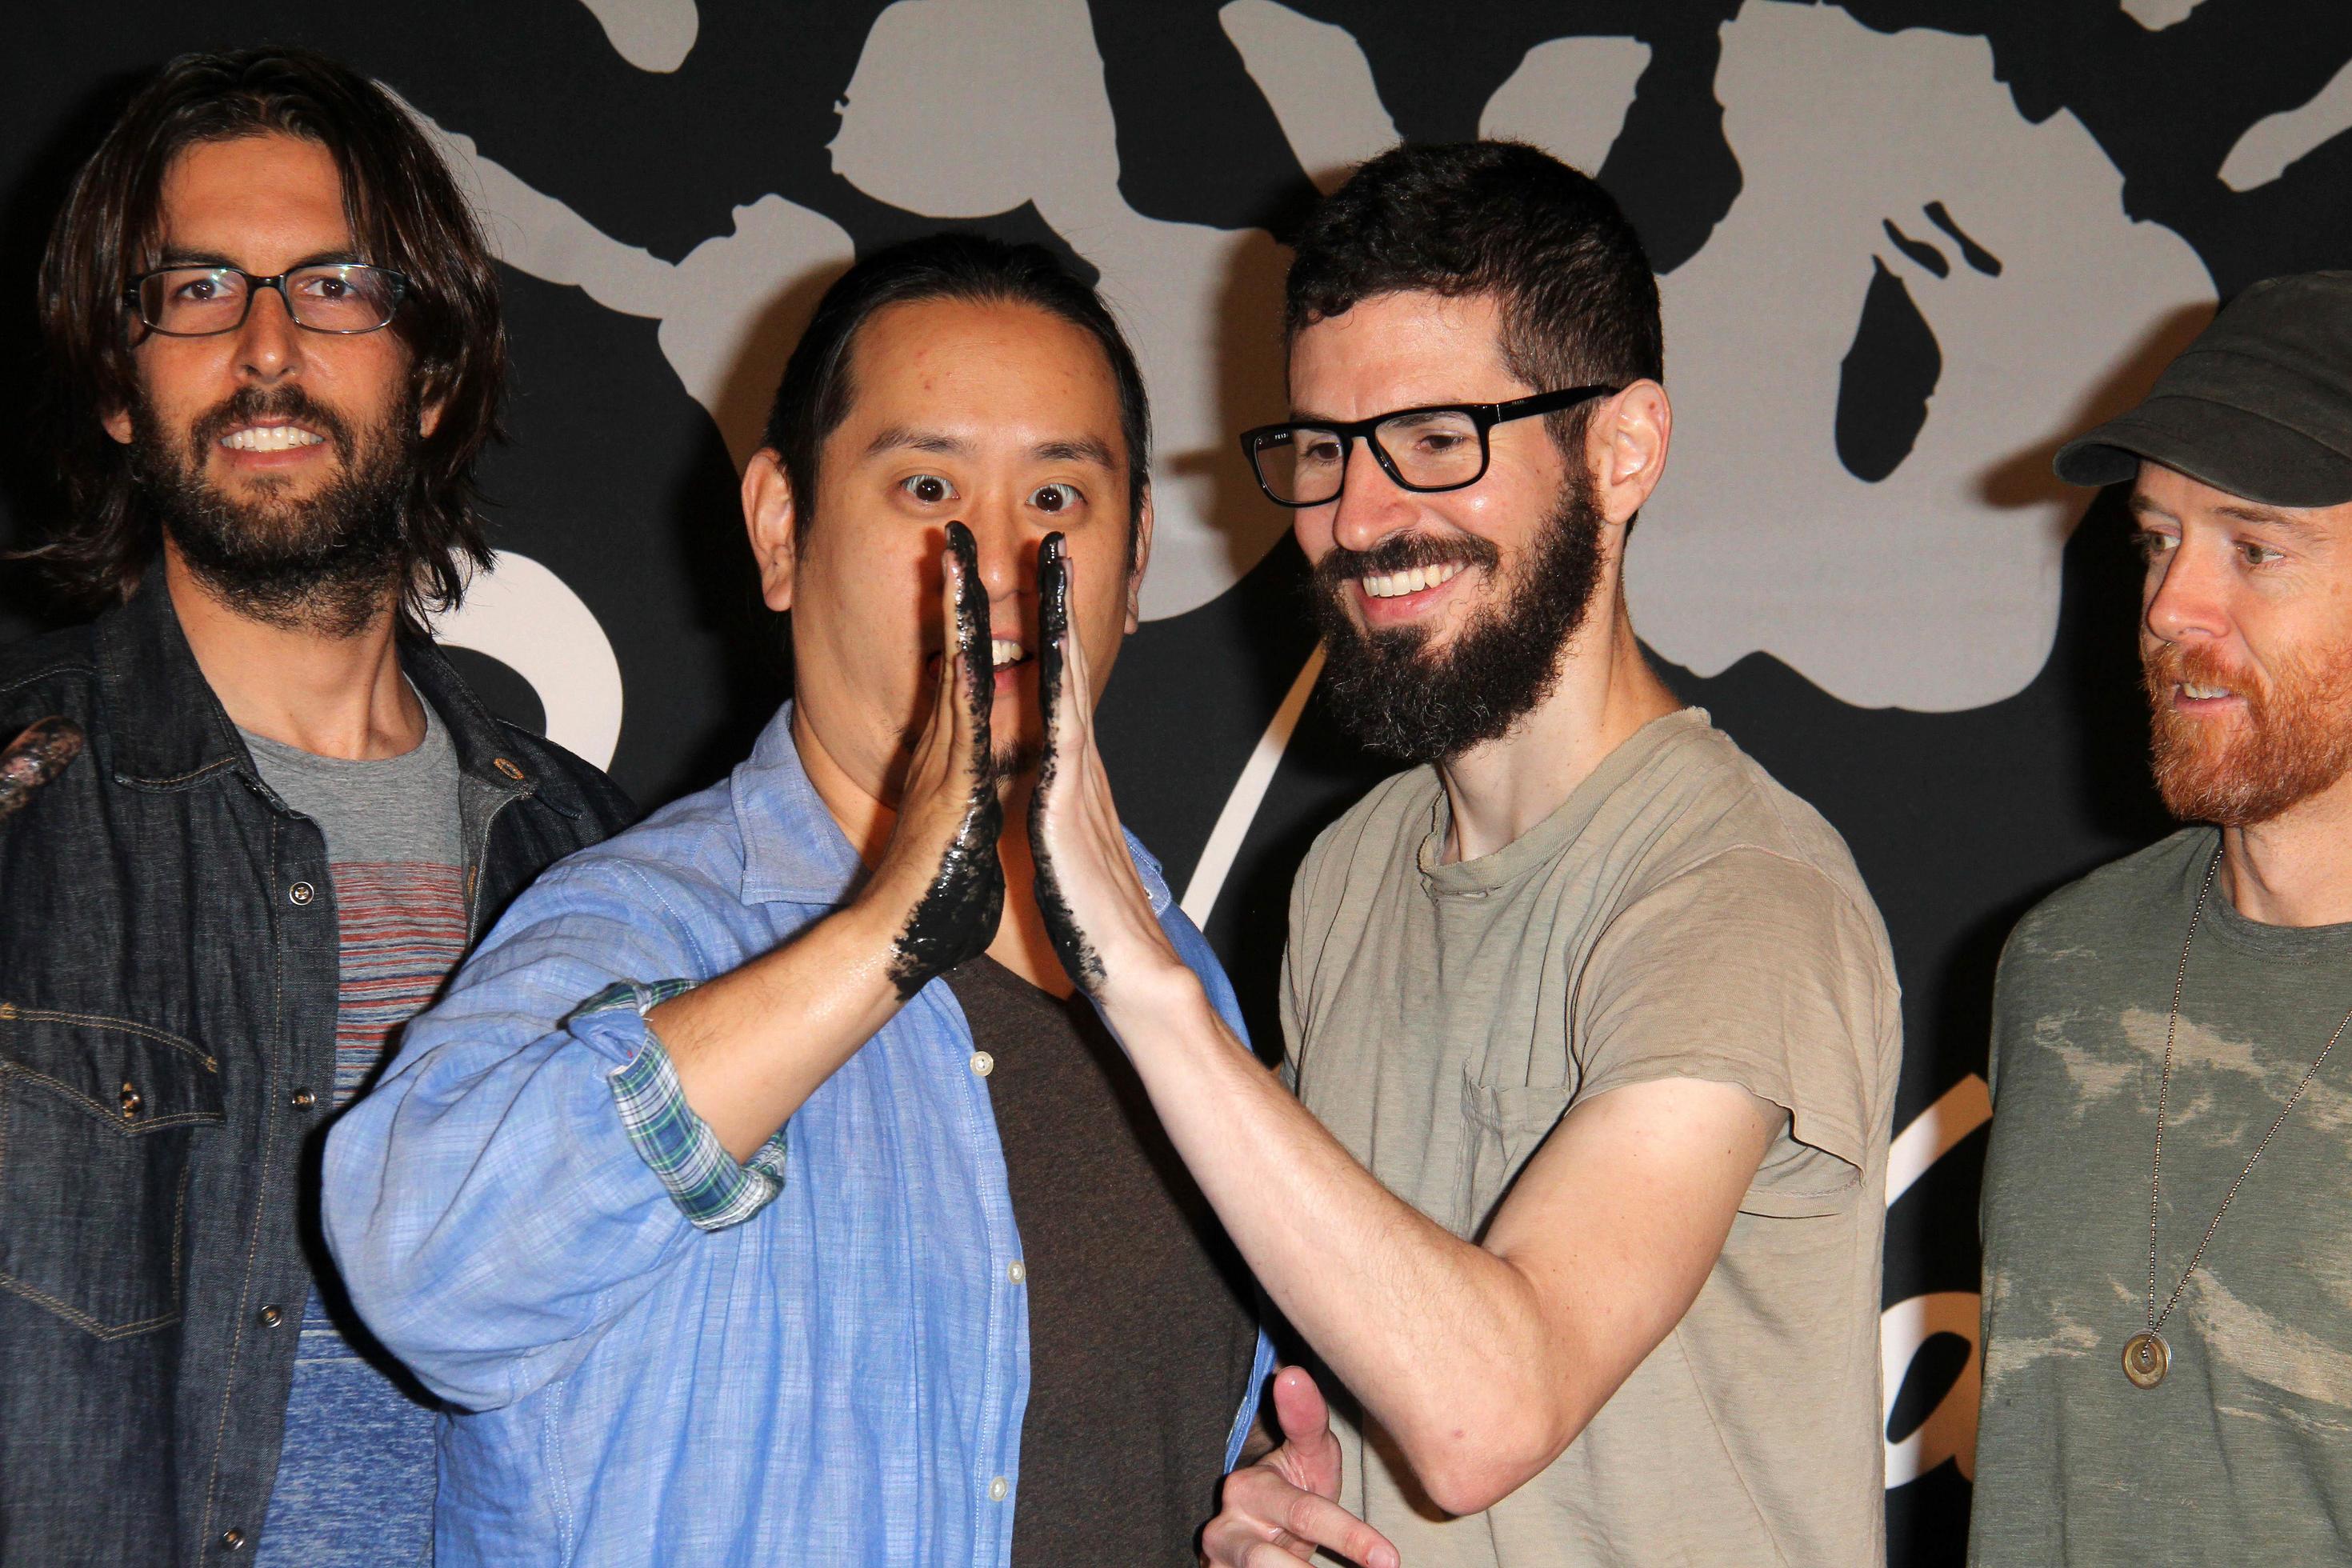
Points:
(956, 918)
(33, 758)
(1079, 959)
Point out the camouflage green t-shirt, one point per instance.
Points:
(2243, 1453)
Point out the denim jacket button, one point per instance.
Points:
(232, 1540)
(271, 1317)
(303, 1100)
(299, 895)
(507, 768)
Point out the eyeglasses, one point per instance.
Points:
(1441, 447)
(332, 297)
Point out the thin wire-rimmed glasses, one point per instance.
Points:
(342, 296)
(1438, 446)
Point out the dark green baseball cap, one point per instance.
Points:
(2259, 405)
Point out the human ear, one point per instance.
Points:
(769, 518)
(1625, 448)
(1142, 559)
(117, 424)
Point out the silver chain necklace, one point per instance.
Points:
(2146, 1357)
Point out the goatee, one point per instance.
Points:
(1402, 699)
(2292, 740)
(326, 564)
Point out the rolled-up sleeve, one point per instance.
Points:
(490, 1206)
(710, 1187)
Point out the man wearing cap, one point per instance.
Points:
(2167, 1265)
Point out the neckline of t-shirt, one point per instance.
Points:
(421, 755)
(2262, 939)
(1539, 844)
(986, 970)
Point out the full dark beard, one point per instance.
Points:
(1400, 700)
(325, 564)
(2295, 740)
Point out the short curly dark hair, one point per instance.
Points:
(1579, 303)
(407, 213)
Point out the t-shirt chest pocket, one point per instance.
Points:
(99, 1124)
(1501, 1127)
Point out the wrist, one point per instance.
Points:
(1147, 981)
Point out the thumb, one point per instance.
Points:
(1305, 1417)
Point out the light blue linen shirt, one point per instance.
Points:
(839, 1378)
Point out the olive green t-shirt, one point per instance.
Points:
(2243, 1453)
(1680, 915)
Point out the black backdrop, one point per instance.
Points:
(1907, 245)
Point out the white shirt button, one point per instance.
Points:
(982, 1064)
(997, 1488)
(1016, 1271)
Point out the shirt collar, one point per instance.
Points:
(167, 729)
(796, 853)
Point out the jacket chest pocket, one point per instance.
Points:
(99, 1124)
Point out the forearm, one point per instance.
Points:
(1442, 1341)
(750, 1046)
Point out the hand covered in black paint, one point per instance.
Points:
(1094, 904)
(940, 865)
(35, 756)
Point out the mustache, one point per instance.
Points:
(2169, 665)
(1402, 553)
(253, 405)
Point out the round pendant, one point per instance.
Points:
(2146, 1357)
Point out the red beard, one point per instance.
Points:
(2293, 739)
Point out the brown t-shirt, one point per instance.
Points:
(1141, 1324)
(1680, 915)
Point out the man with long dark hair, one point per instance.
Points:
(275, 355)
(1593, 1025)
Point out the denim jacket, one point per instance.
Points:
(168, 985)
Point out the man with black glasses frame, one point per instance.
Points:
(275, 354)
(1592, 1027)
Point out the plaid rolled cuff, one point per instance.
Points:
(710, 1187)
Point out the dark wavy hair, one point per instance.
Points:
(1580, 304)
(407, 213)
(813, 397)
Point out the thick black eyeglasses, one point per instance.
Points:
(343, 297)
(1441, 446)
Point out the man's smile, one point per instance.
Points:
(1007, 656)
(1392, 598)
(270, 437)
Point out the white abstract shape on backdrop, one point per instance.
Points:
(1949, 1430)
(1233, 824)
(725, 309)
(1936, 1132)
(2156, 16)
(651, 35)
(1920, 590)
(526, 617)
(946, 116)
(1570, 96)
(1314, 78)
(2262, 153)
